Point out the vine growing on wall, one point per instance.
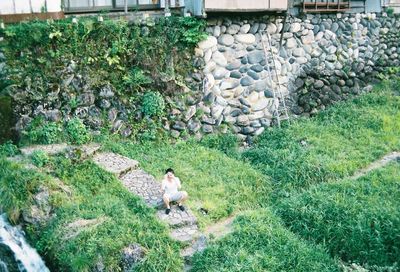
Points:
(130, 58)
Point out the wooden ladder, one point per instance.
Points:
(280, 109)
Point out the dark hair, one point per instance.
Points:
(169, 170)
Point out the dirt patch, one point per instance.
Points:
(221, 228)
(73, 229)
(377, 164)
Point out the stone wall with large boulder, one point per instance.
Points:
(320, 59)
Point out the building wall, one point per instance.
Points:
(26, 6)
(245, 5)
(395, 4)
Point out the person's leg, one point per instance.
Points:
(166, 202)
(184, 197)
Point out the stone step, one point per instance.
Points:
(198, 245)
(177, 218)
(115, 163)
(185, 234)
(52, 149)
(144, 185)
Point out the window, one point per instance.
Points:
(93, 5)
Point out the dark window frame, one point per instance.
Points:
(113, 7)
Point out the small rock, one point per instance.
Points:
(208, 43)
(261, 104)
(233, 29)
(207, 129)
(226, 39)
(246, 81)
(229, 84)
(236, 74)
(245, 28)
(245, 38)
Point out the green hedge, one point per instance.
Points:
(357, 220)
(332, 145)
(261, 243)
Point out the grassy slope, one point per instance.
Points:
(357, 220)
(96, 195)
(215, 182)
(260, 242)
(332, 145)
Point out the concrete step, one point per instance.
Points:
(52, 149)
(115, 163)
(144, 185)
(177, 218)
(197, 245)
(84, 151)
(185, 234)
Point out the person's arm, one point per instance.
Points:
(178, 183)
(163, 185)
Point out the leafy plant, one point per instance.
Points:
(137, 79)
(153, 104)
(8, 149)
(40, 131)
(40, 158)
(77, 132)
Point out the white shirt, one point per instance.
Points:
(171, 187)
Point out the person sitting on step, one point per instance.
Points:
(170, 186)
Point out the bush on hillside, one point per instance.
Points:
(77, 132)
(40, 131)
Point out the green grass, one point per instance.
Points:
(95, 195)
(17, 187)
(332, 145)
(214, 181)
(357, 220)
(260, 242)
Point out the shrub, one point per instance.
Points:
(40, 158)
(356, 220)
(261, 243)
(77, 132)
(226, 143)
(40, 131)
(153, 104)
(8, 149)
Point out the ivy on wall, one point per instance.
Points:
(132, 58)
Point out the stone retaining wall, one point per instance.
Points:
(323, 59)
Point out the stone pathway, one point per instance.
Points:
(183, 224)
(144, 185)
(115, 163)
(377, 164)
